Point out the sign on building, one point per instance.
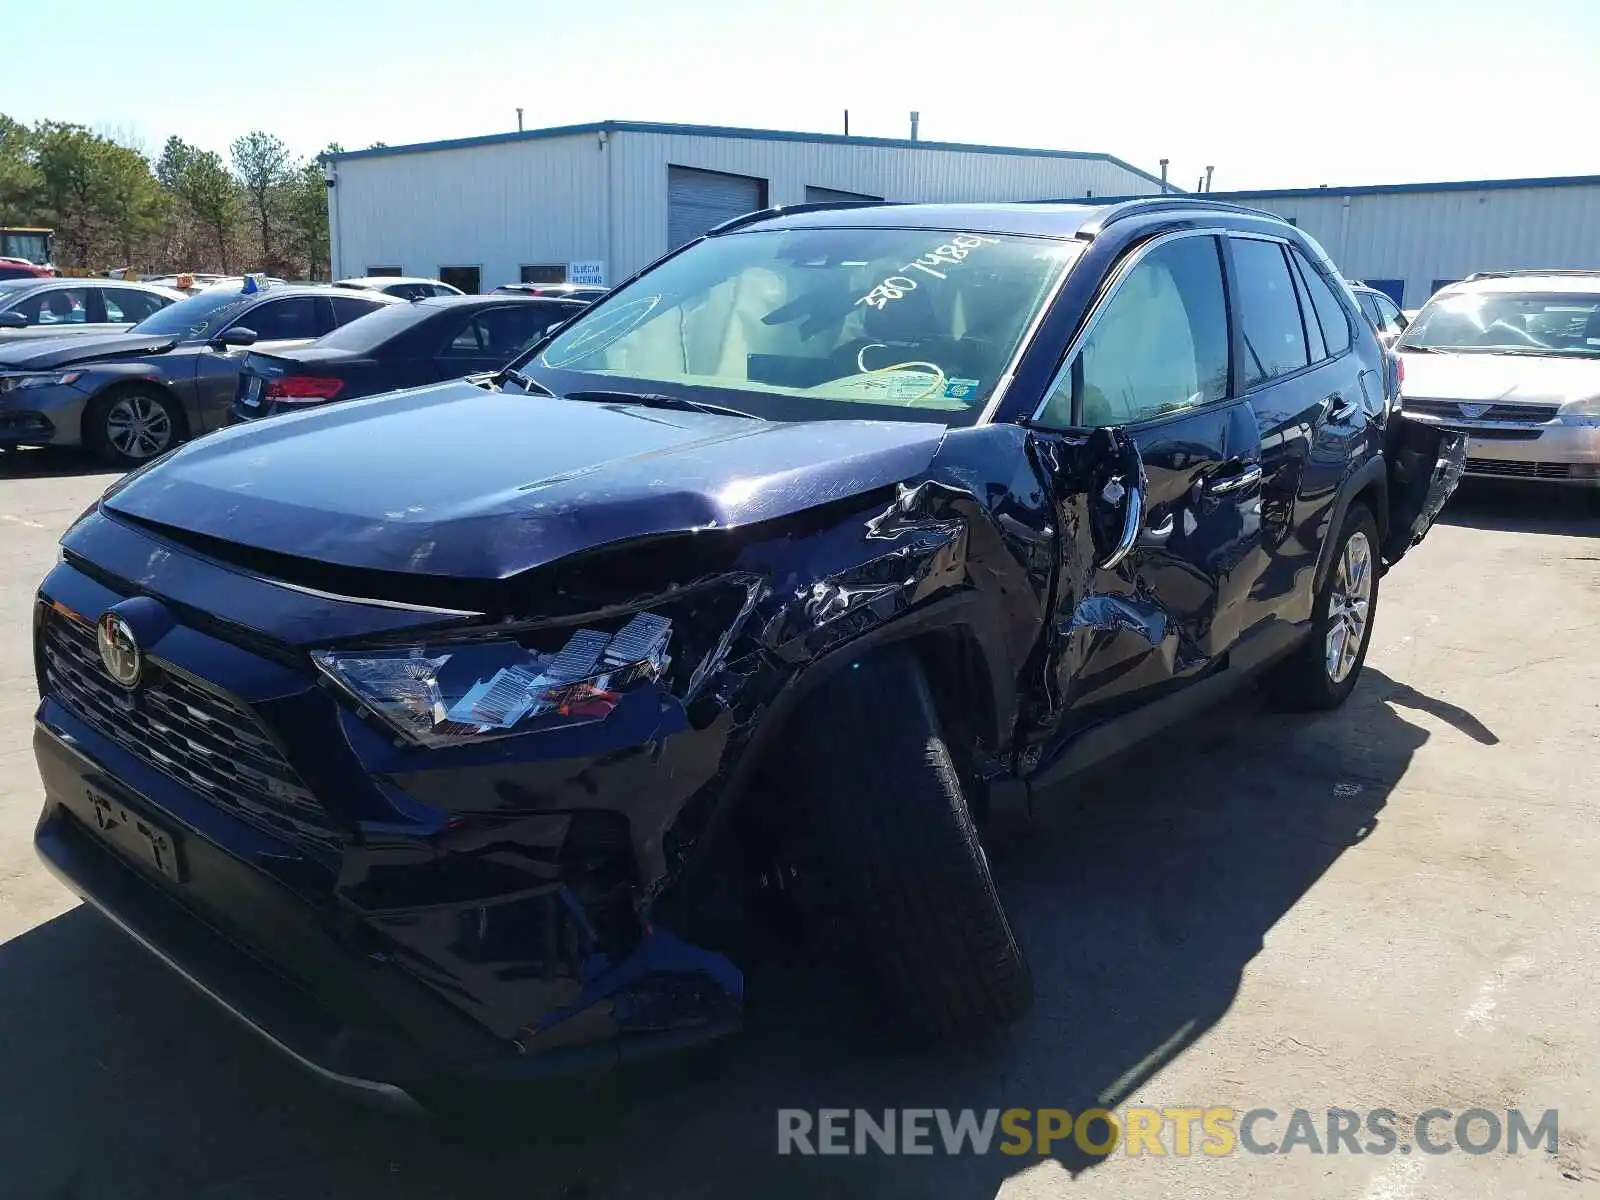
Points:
(586, 271)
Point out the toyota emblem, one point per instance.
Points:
(1473, 411)
(119, 650)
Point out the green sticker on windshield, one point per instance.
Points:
(960, 389)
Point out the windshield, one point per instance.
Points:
(196, 318)
(33, 246)
(1555, 323)
(818, 323)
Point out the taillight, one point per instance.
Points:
(1399, 369)
(303, 389)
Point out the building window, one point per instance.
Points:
(383, 271)
(465, 279)
(544, 272)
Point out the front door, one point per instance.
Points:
(1157, 467)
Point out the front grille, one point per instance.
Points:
(1519, 470)
(1508, 414)
(198, 737)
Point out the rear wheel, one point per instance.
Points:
(131, 425)
(1323, 672)
(896, 825)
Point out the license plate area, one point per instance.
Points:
(252, 391)
(136, 835)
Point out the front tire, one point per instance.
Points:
(130, 425)
(1322, 673)
(914, 875)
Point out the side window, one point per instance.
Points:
(125, 304)
(1389, 314)
(502, 332)
(348, 308)
(1160, 344)
(57, 306)
(1269, 314)
(1330, 313)
(291, 317)
(1308, 316)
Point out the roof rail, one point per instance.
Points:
(784, 210)
(1522, 271)
(1124, 209)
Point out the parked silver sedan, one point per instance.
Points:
(31, 308)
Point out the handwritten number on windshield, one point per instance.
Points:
(949, 254)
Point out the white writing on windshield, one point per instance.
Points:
(951, 253)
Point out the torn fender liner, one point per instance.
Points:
(664, 984)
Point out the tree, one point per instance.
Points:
(19, 180)
(208, 195)
(264, 166)
(305, 208)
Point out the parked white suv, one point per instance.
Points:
(1513, 358)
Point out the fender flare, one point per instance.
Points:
(1372, 473)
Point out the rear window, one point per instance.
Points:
(368, 332)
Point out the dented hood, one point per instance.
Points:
(460, 481)
(35, 354)
(1500, 378)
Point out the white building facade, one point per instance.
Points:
(594, 203)
(1411, 239)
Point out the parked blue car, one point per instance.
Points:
(414, 729)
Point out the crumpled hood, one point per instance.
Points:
(39, 354)
(463, 482)
(1500, 378)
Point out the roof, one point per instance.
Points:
(1579, 282)
(1063, 219)
(51, 282)
(380, 281)
(486, 298)
(728, 131)
(1392, 189)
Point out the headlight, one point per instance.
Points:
(1582, 412)
(22, 383)
(453, 693)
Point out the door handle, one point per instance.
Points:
(1339, 408)
(1248, 475)
(1160, 531)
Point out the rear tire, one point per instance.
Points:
(129, 425)
(896, 825)
(1322, 673)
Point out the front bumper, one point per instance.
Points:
(51, 416)
(376, 980)
(1552, 452)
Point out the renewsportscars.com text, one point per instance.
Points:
(1177, 1132)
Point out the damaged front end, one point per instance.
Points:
(519, 781)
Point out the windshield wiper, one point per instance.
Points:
(526, 382)
(657, 400)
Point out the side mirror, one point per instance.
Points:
(1388, 338)
(12, 320)
(237, 336)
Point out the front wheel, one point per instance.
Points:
(1322, 673)
(128, 426)
(878, 774)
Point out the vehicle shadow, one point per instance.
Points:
(49, 462)
(1141, 895)
(1523, 508)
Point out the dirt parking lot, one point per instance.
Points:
(1396, 906)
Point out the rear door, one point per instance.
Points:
(282, 320)
(1151, 379)
(1313, 409)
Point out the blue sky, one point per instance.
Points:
(1406, 90)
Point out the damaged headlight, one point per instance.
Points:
(454, 692)
(1581, 412)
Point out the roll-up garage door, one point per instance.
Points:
(822, 195)
(698, 200)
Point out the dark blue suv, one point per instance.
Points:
(416, 729)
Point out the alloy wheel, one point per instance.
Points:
(138, 426)
(1349, 607)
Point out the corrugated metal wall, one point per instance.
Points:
(1423, 236)
(603, 198)
(495, 207)
(639, 179)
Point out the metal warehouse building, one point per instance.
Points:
(1411, 239)
(593, 203)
